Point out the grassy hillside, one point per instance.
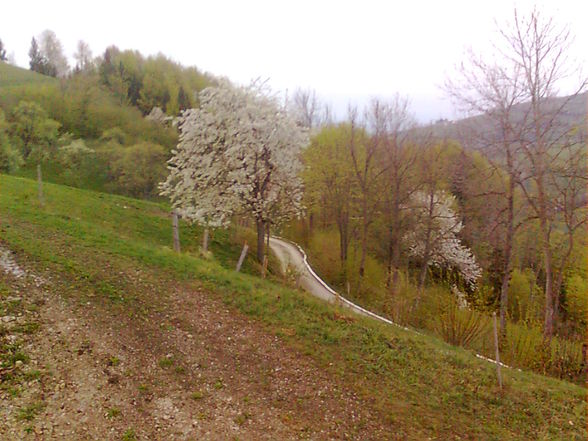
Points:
(17, 76)
(415, 387)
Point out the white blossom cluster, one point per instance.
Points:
(238, 152)
(439, 222)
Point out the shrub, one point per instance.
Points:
(525, 347)
(460, 326)
(138, 169)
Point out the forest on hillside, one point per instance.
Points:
(104, 124)
(436, 229)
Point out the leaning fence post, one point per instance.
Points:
(205, 240)
(497, 351)
(176, 231)
(40, 184)
(242, 256)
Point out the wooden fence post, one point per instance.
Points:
(242, 256)
(205, 240)
(176, 231)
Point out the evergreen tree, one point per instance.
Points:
(36, 59)
(2, 52)
(38, 62)
(183, 99)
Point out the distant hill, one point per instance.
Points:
(17, 76)
(574, 111)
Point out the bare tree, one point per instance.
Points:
(309, 111)
(395, 127)
(83, 57)
(492, 93)
(523, 129)
(538, 49)
(52, 50)
(365, 154)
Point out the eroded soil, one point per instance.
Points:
(180, 366)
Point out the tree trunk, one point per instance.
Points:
(507, 259)
(427, 251)
(363, 240)
(342, 225)
(40, 184)
(395, 267)
(394, 251)
(561, 274)
(423, 277)
(175, 230)
(267, 237)
(547, 259)
(260, 239)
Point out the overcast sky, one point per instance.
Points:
(345, 50)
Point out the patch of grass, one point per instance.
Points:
(242, 418)
(129, 435)
(113, 361)
(10, 354)
(218, 384)
(166, 362)
(198, 395)
(32, 375)
(112, 412)
(29, 412)
(27, 328)
(17, 76)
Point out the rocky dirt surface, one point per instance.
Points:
(185, 368)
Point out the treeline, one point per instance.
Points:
(113, 113)
(417, 226)
(491, 209)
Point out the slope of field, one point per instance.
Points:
(17, 76)
(111, 335)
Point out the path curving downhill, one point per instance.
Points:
(293, 257)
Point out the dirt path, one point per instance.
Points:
(185, 369)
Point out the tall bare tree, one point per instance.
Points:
(83, 57)
(309, 111)
(52, 49)
(538, 50)
(491, 92)
(365, 152)
(395, 128)
(524, 128)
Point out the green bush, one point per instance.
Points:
(138, 169)
(461, 326)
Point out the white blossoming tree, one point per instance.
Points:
(435, 241)
(238, 153)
